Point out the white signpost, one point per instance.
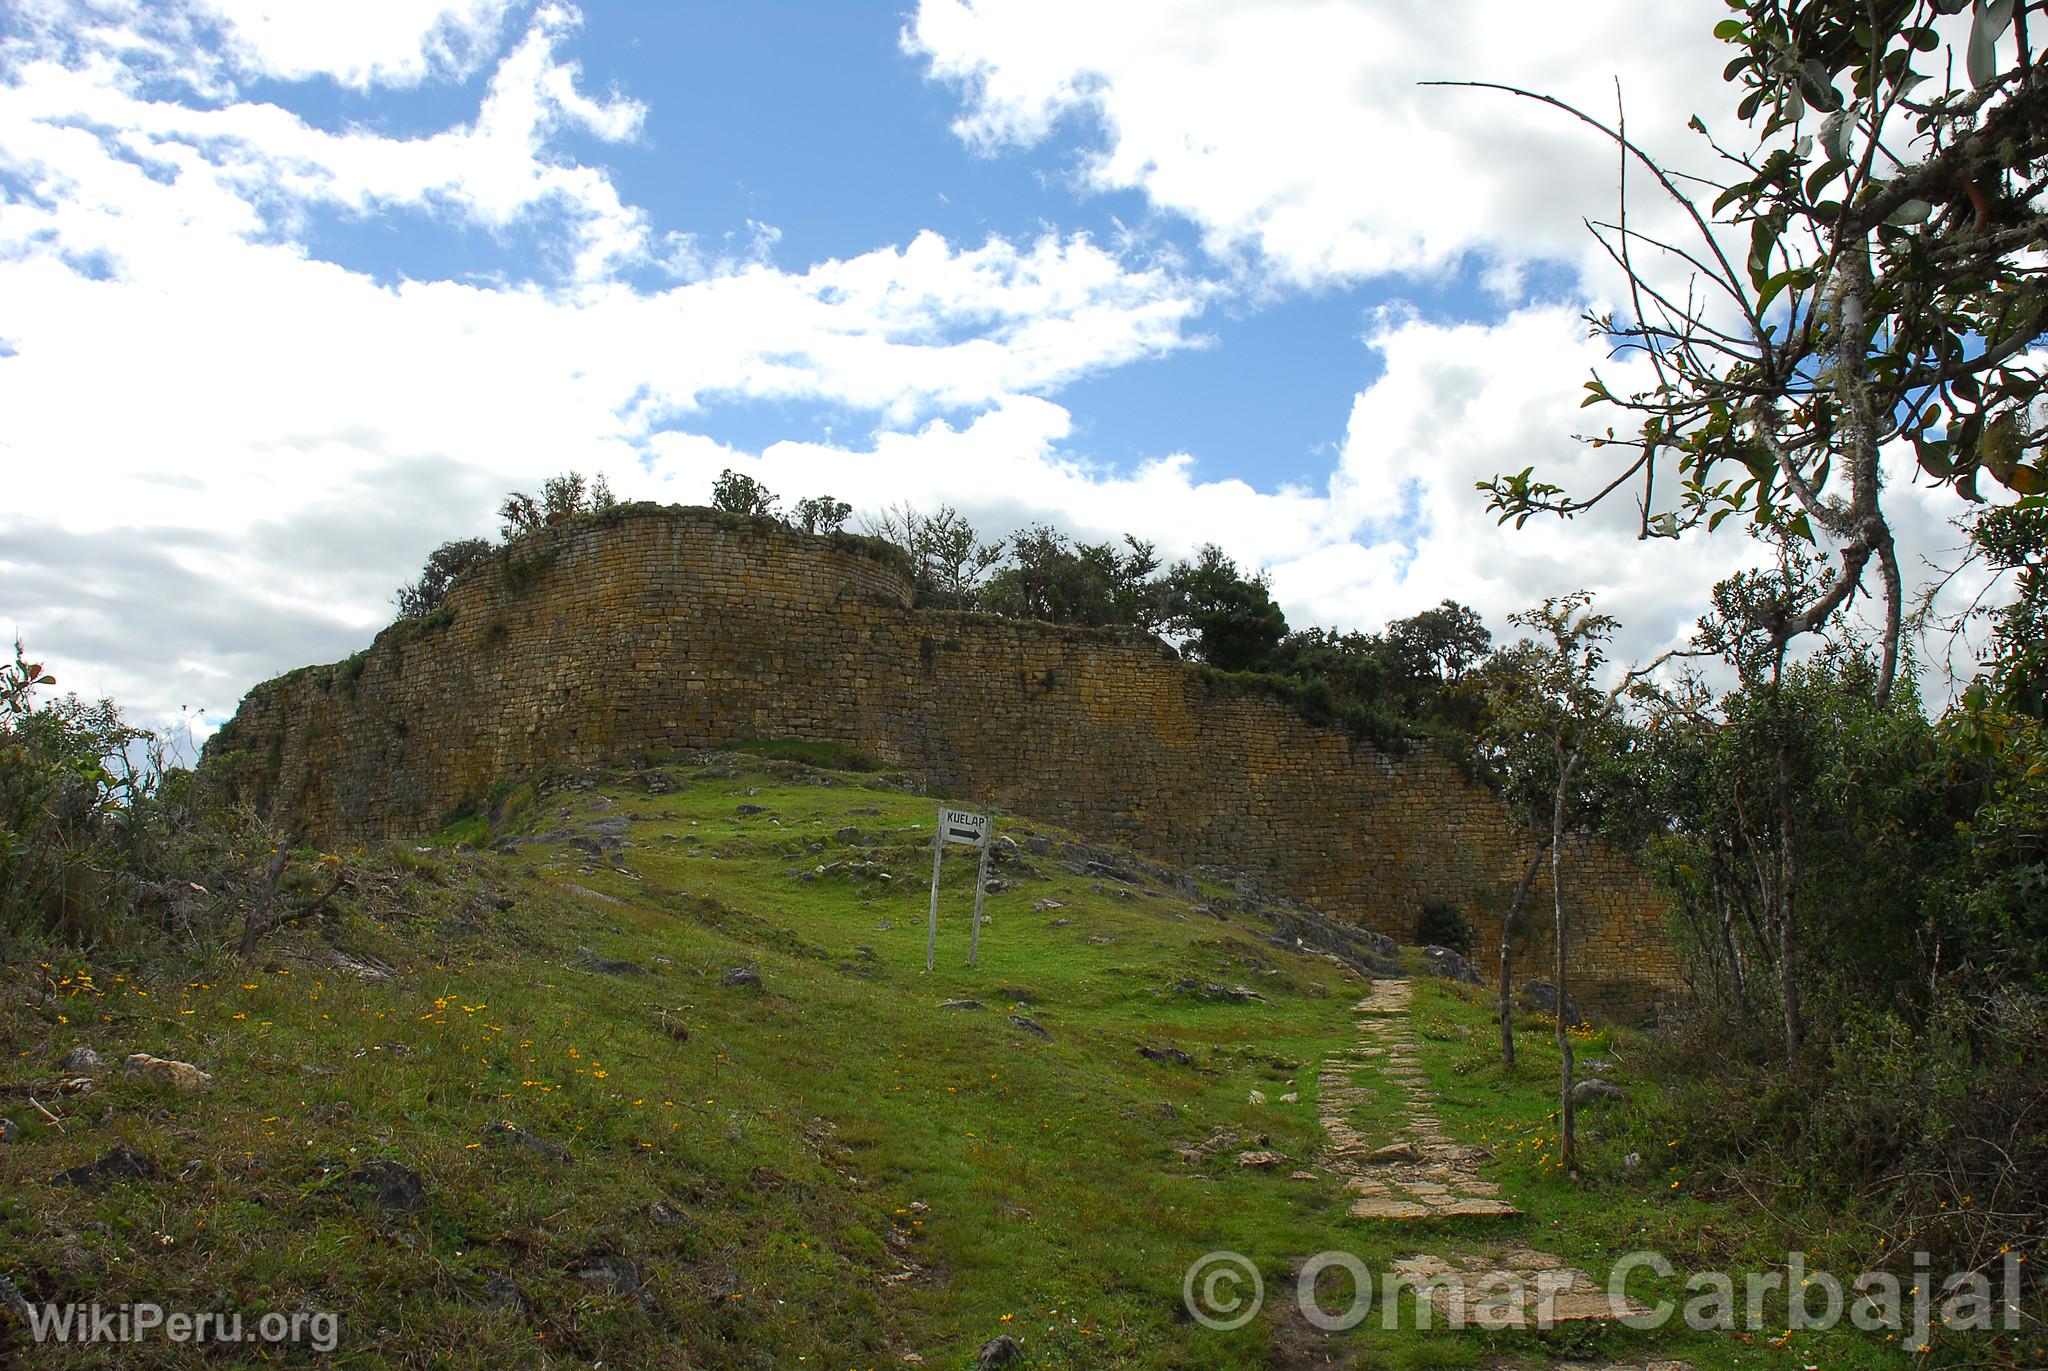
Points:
(973, 830)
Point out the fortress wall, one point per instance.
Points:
(652, 630)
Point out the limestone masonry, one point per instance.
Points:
(648, 630)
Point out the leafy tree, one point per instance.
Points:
(737, 493)
(1229, 619)
(1059, 580)
(1424, 670)
(1887, 287)
(2013, 539)
(1431, 659)
(1545, 698)
(1520, 765)
(66, 776)
(569, 494)
(821, 514)
(1439, 645)
(949, 559)
(561, 497)
(443, 565)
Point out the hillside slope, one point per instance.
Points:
(647, 1072)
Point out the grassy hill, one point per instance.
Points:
(646, 1070)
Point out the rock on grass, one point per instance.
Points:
(393, 1185)
(124, 1163)
(182, 1077)
(80, 1061)
(999, 1352)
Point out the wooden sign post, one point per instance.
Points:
(973, 830)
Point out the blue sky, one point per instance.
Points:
(813, 119)
(292, 293)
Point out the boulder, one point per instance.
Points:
(997, 1353)
(1447, 963)
(124, 1163)
(80, 1061)
(1593, 1090)
(182, 1077)
(741, 975)
(608, 966)
(393, 1185)
(607, 1273)
(505, 1133)
(1541, 996)
(502, 1292)
(12, 1301)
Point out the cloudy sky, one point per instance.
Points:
(292, 292)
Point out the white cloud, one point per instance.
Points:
(1295, 130)
(223, 451)
(361, 43)
(285, 437)
(89, 142)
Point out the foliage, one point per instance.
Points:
(949, 560)
(443, 565)
(743, 1172)
(69, 795)
(1229, 620)
(2013, 541)
(737, 493)
(1443, 924)
(561, 498)
(821, 514)
(1545, 697)
(1887, 287)
(1060, 580)
(1858, 893)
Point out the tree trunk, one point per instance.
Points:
(1788, 981)
(1730, 951)
(1567, 1149)
(258, 920)
(1507, 925)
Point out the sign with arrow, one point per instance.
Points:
(971, 830)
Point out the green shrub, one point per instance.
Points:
(1443, 924)
(517, 573)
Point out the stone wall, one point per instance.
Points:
(647, 630)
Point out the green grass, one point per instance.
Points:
(828, 1169)
(1661, 1202)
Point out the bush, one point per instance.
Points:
(443, 565)
(1443, 924)
(735, 493)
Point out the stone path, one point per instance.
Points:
(1421, 1175)
(1424, 1175)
